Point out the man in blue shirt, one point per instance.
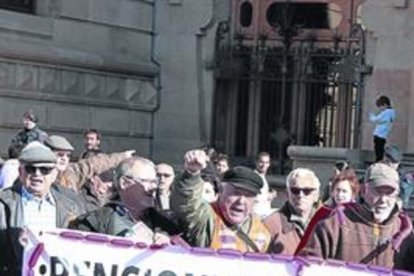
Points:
(35, 202)
(383, 124)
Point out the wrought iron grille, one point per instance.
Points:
(270, 95)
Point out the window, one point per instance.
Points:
(246, 12)
(304, 15)
(25, 6)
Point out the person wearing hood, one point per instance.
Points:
(383, 123)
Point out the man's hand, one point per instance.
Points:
(195, 161)
(161, 239)
(24, 237)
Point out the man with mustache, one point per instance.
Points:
(228, 223)
(371, 232)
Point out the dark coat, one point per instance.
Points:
(91, 200)
(27, 136)
(68, 207)
(115, 219)
(350, 234)
(286, 234)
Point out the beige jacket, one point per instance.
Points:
(76, 174)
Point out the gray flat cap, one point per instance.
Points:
(56, 142)
(36, 152)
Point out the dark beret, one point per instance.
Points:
(244, 178)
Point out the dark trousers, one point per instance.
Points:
(379, 145)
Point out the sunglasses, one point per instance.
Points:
(305, 191)
(43, 170)
(165, 175)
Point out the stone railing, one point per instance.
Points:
(322, 160)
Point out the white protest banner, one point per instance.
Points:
(63, 253)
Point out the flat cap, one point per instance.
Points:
(393, 153)
(56, 142)
(380, 174)
(244, 178)
(36, 152)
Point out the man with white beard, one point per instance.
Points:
(370, 232)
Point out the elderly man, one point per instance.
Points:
(34, 201)
(369, 232)
(74, 175)
(97, 191)
(288, 224)
(227, 223)
(165, 174)
(132, 211)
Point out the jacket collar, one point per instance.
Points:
(364, 213)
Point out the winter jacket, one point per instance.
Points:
(350, 234)
(68, 207)
(384, 121)
(27, 136)
(285, 229)
(199, 218)
(115, 219)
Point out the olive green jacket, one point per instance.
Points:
(196, 214)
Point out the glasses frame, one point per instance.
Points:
(305, 191)
(139, 180)
(44, 170)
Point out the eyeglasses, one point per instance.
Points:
(137, 180)
(43, 170)
(165, 175)
(305, 191)
(62, 154)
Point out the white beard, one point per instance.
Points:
(380, 217)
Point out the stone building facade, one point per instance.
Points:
(133, 69)
(144, 71)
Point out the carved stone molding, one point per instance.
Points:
(76, 86)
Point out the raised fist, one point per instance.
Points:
(195, 161)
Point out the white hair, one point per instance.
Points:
(301, 173)
(127, 165)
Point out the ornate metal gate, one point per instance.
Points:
(270, 94)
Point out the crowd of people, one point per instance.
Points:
(210, 203)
